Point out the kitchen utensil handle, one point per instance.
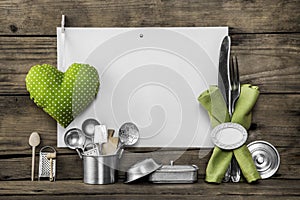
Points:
(51, 170)
(32, 163)
(80, 156)
(227, 174)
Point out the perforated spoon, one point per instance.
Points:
(34, 141)
(128, 134)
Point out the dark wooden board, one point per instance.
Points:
(61, 188)
(263, 196)
(41, 17)
(70, 167)
(267, 60)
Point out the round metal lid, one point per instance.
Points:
(265, 157)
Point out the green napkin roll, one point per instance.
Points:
(212, 100)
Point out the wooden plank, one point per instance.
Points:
(18, 55)
(275, 119)
(69, 166)
(25, 18)
(265, 188)
(151, 197)
(267, 60)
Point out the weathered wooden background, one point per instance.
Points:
(265, 37)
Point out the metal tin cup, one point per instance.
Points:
(265, 157)
(100, 169)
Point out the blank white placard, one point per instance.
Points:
(149, 76)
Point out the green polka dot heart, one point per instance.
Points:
(63, 95)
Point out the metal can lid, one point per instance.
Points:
(265, 157)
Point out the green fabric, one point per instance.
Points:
(63, 95)
(214, 103)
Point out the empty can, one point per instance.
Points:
(100, 169)
(265, 157)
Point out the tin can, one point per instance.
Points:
(100, 169)
(265, 157)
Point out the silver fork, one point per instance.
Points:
(234, 82)
(235, 173)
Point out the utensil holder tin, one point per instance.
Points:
(100, 169)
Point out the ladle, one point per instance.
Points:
(75, 139)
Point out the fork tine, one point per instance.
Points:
(237, 76)
(231, 71)
(231, 79)
(235, 82)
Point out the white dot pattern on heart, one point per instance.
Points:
(63, 95)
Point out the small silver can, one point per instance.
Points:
(100, 169)
(265, 157)
(175, 174)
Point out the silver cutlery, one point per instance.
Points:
(235, 89)
(235, 84)
(235, 173)
(224, 82)
(229, 85)
(223, 76)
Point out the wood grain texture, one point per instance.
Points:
(275, 119)
(267, 60)
(69, 166)
(21, 17)
(265, 37)
(201, 189)
(263, 196)
(20, 116)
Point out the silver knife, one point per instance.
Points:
(224, 83)
(223, 75)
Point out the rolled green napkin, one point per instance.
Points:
(212, 100)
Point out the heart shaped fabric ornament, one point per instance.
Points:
(63, 95)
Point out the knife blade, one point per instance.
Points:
(223, 75)
(223, 84)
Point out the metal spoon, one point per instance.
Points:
(75, 139)
(34, 141)
(88, 127)
(128, 134)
